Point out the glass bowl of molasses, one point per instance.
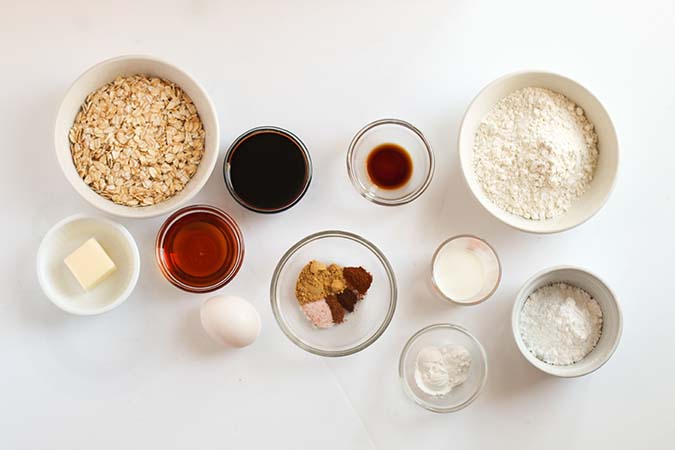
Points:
(267, 169)
(199, 249)
(349, 327)
(390, 162)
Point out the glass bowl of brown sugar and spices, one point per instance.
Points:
(267, 169)
(390, 162)
(333, 293)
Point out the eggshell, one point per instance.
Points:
(230, 320)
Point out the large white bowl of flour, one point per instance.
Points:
(510, 199)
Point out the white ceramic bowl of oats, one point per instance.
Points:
(160, 195)
(604, 176)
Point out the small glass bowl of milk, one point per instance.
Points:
(465, 270)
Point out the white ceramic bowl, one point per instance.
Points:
(608, 163)
(107, 71)
(611, 313)
(59, 284)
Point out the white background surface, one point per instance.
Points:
(145, 375)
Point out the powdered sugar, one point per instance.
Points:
(560, 324)
(535, 153)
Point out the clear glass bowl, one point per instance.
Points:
(265, 130)
(224, 221)
(398, 132)
(363, 326)
(437, 335)
(485, 254)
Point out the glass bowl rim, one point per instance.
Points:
(457, 302)
(393, 291)
(375, 198)
(404, 354)
(220, 214)
(257, 130)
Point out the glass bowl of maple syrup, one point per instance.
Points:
(199, 249)
(390, 162)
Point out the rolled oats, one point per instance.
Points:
(137, 141)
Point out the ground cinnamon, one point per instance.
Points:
(358, 279)
(335, 309)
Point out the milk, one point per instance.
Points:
(458, 272)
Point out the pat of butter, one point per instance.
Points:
(90, 264)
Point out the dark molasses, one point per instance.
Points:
(389, 166)
(268, 170)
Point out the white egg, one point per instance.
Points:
(230, 320)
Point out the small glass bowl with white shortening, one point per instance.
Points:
(443, 368)
(465, 270)
(566, 321)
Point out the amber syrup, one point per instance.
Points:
(201, 249)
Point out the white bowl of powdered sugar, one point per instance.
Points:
(566, 321)
(538, 151)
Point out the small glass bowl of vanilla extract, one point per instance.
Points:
(390, 162)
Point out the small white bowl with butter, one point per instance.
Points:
(75, 272)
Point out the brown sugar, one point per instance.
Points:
(358, 279)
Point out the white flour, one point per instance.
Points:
(560, 324)
(440, 369)
(535, 153)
